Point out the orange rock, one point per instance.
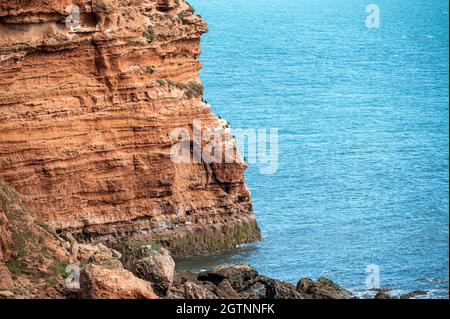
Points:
(101, 283)
(85, 123)
(6, 282)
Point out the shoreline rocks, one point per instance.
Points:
(238, 281)
(35, 260)
(323, 288)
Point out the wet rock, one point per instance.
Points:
(382, 294)
(413, 294)
(240, 277)
(276, 289)
(323, 288)
(98, 282)
(255, 291)
(153, 263)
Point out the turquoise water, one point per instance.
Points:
(363, 135)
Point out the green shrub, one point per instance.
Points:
(192, 89)
(149, 34)
(61, 268)
(148, 243)
(46, 227)
(16, 267)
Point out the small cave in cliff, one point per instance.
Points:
(89, 20)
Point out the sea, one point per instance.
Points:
(358, 91)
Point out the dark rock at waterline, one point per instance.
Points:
(277, 289)
(244, 282)
(187, 286)
(413, 294)
(240, 277)
(226, 290)
(383, 294)
(323, 288)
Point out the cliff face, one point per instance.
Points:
(86, 115)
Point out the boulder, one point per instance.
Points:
(239, 277)
(382, 294)
(98, 282)
(97, 254)
(194, 290)
(276, 289)
(226, 291)
(413, 294)
(153, 263)
(323, 288)
(186, 285)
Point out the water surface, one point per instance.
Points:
(363, 135)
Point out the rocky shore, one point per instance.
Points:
(37, 262)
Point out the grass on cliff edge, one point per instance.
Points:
(153, 245)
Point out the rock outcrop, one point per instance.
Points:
(102, 283)
(323, 288)
(90, 92)
(244, 282)
(153, 263)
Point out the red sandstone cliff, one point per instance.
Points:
(85, 120)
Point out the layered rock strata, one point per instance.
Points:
(90, 92)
